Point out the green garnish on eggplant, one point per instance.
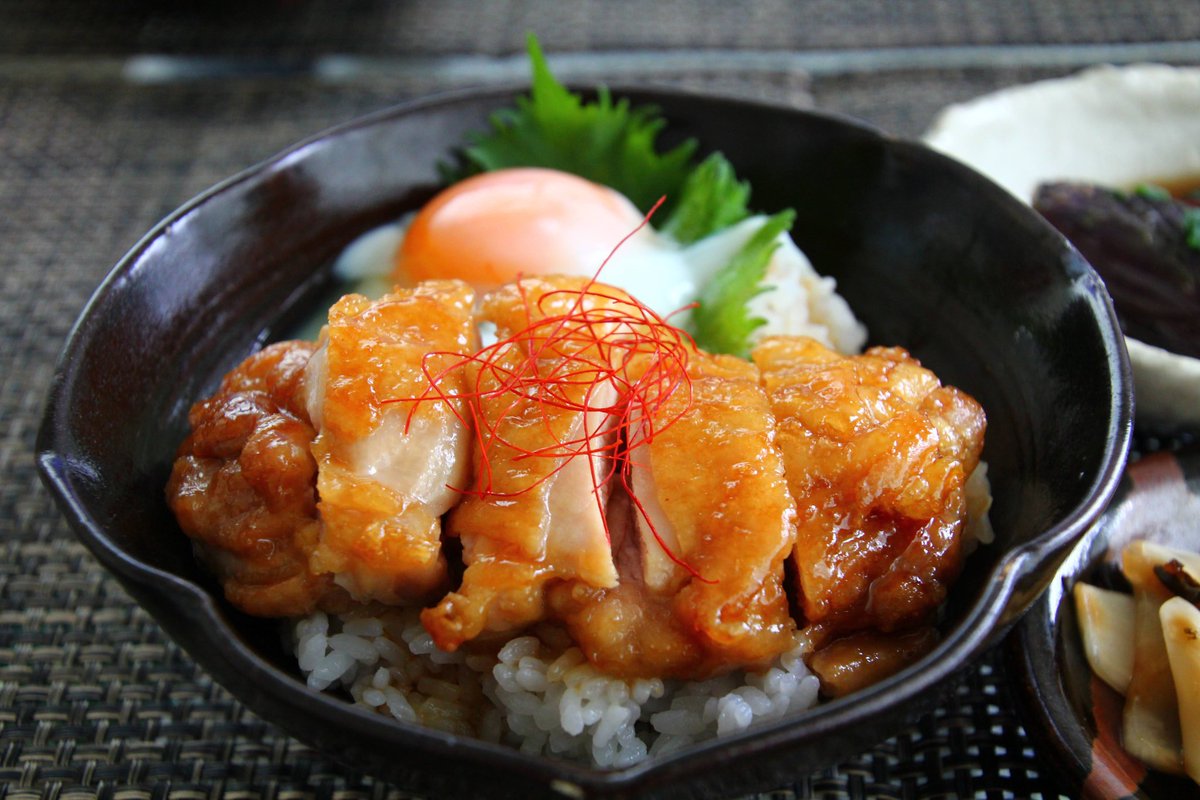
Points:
(1146, 247)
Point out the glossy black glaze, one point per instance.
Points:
(931, 255)
(1061, 700)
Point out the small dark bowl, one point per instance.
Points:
(931, 255)
(1076, 717)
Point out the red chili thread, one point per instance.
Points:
(557, 362)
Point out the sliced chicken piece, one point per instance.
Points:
(855, 662)
(716, 524)
(537, 510)
(243, 487)
(877, 453)
(392, 453)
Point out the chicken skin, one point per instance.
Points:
(601, 475)
(702, 552)
(391, 454)
(877, 453)
(243, 487)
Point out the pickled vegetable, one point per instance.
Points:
(1106, 626)
(1181, 631)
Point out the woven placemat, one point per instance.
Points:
(95, 701)
(296, 29)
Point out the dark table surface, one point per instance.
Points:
(112, 114)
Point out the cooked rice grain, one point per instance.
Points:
(799, 301)
(537, 693)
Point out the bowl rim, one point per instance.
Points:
(995, 610)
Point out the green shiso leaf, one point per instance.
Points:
(712, 200)
(722, 323)
(605, 141)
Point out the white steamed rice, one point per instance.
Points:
(537, 693)
(799, 301)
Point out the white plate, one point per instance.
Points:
(1116, 126)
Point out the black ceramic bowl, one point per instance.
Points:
(931, 255)
(1074, 715)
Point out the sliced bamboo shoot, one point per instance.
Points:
(1106, 625)
(1152, 555)
(1151, 721)
(1181, 631)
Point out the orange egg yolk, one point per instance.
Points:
(497, 226)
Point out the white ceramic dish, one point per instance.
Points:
(1116, 126)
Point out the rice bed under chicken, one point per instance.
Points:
(537, 695)
(540, 695)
